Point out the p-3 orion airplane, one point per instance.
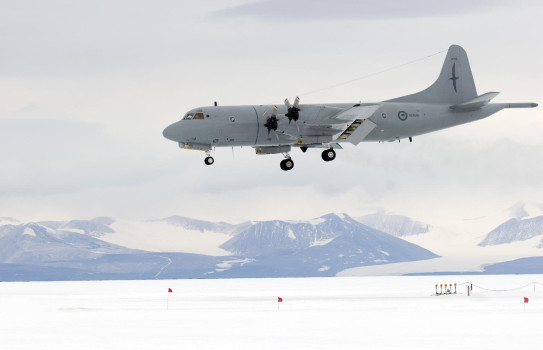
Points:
(451, 100)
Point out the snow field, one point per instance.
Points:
(317, 313)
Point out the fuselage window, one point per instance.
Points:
(198, 115)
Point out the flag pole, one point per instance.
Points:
(168, 298)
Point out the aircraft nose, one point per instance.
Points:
(172, 132)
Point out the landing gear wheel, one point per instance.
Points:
(328, 155)
(287, 164)
(209, 160)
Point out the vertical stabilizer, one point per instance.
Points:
(454, 85)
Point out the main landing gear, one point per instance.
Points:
(287, 163)
(328, 154)
(209, 159)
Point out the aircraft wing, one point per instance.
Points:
(357, 131)
(358, 112)
(352, 125)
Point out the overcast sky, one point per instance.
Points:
(86, 89)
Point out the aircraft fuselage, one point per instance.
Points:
(451, 100)
(228, 126)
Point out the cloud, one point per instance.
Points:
(129, 68)
(42, 157)
(289, 10)
(430, 165)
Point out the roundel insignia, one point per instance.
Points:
(402, 115)
(384, 115)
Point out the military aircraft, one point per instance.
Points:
(451, 100)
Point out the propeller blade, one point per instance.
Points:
(293, 111)
(287, 103)
(297, 102)
(271, 119)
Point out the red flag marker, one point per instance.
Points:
(168, 297)
(279, 300)
(526, 300)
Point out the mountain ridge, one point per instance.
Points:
(318, 247)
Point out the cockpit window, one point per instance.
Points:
(194, 114)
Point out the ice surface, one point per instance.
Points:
(316, 313)
(396, 225)
(159, 236)
(227, 264)
(29, 232)
(74, 230)
(291, 234)
(321, 242)
(317, 221)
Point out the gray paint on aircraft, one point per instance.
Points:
(323, 125)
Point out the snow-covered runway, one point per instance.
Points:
(316, 313)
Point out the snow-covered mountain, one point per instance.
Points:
(84, 249)
(322, 246)
(180, 247)
(533, 265)
(96, 227)
(34, 243)
(265, 237)
(396, 225)
(269, 237)
(525, 223)
(521, 210)
(514, 230)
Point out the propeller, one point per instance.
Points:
(293, 110)
(271, 121)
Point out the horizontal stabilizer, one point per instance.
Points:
(475, 103)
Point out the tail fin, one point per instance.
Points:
(454, 85)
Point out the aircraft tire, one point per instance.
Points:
(287, 164)
(209, 160)
(328, 155)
